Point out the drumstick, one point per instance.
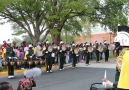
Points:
(105, 77)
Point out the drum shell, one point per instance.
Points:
(30, 62)
(4, 63)
(111, 47)
(19, 63)
(50, 48)
(42, 62)
(102, 48)
(76, 50)
(98, 86)
(63, 47)
(36, 62)
(90, 49)
(12, 63)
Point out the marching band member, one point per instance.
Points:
(30, 55)
(122, 74)
(87, 53)
(106, 53)
(48, 58)
(97, 53)
(8, 56)
(74, 55)
(62, 55)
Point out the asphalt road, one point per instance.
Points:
(79, 78)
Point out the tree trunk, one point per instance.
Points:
(56, 38)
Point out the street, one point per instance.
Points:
(79, 78)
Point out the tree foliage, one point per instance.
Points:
(52, 16)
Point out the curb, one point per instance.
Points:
(20, 71)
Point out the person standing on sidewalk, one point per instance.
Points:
(5, 86)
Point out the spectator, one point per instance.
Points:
(5, 86)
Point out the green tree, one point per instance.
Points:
(52, 16)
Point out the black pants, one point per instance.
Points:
(62, 61)
(87, 58)
(97, 55)
(53, 60)
(48, 64)
(106, 56)
(10, 70)
(74, 61)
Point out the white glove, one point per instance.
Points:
(107, 84)
(30, 56)
(9, 57)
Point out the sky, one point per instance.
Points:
(5, 32)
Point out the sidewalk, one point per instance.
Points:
(102, 64)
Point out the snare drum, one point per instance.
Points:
(98, 86)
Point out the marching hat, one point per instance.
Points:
(61, 42)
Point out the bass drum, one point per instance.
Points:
(63, 47)
(111, 47)
(102, 48)
(76, 50)
(50, 48)
(90, 49)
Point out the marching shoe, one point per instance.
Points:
(12, 76)
(86, 64)
(47, 71)
(50, 71)
(9, 77)
(60, 69)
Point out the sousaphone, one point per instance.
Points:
(119, 62)
(119, 59)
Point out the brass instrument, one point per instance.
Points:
(119, 62)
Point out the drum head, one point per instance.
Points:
(63, 47)
(111, 47)
(90, 49)
(76, 50)
(50, 48)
